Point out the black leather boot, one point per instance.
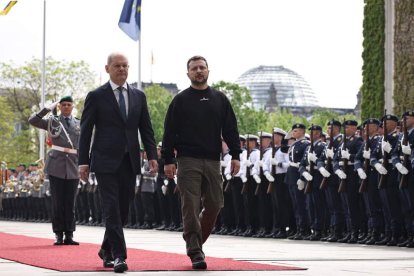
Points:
(69, 239)
(58, 238)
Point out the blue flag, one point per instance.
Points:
(130, 20)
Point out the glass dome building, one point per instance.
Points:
(277, 86)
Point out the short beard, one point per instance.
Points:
(199, 83)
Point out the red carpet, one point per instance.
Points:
(41, 253)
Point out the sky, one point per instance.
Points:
(321, 40)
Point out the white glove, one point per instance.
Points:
(340, 174)
(406, 149)
(223, 164)
(228, 176)
(345, 154)
(243, 178)
(400, 167)
(273, 161)
(386, 146)
(330, 153)
(165, 182)
(257, 178)
(324, 172)
(380, 168)
(52, 106)
(164, 189)
(307, 176)
(269, 177)
(301, 184)
(361, 173)
(248, 163)
(260, 163)
(367, 154)
(47, 193)
(312, 157)
(142, 170)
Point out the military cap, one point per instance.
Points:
(252, 137)
(409, 113)
(242, 137)
(302, 126)
(66, 99)
(264, 134)
(280, 131)
(159, 144)
(390, 117)
(21, 164)
(350, 123)
(307, 136)
(34, 164)
(373, 121)
(12, 169)
(334, 123)
(315, 127)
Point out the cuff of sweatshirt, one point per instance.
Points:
(235, 156)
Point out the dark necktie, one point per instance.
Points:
(67, 121)
(122, 106)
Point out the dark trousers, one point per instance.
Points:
(63, 193)
(264, 206)
(373, 202)
(236, 185)
(117, 190)
(350, 198)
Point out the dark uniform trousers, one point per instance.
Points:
(373, 202)
(117, 191)
(336, 211)
(236, 186)
(406, 196)
(298, 199)
(63, 193)
(283, 216)
(264, 205)
(350, 199)
(251, 205)
(317, 197)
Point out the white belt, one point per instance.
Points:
(62, 149)
(293, 164)
(341, 163)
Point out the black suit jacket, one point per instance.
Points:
(112, 136)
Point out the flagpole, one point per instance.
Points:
(42, 103)
(139, 86)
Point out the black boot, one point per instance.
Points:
(394, 240)
(410, 243)
(59, 238)
(316, 236)
(354, 237)
(374, 238)
(384, 240)
(69, 239)
(365, 238)
(346, 238)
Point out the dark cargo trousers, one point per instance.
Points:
(201, 190)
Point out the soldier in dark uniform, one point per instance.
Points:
(316, 196)
(264, 199)
(62, 166)
(350, 195)
(236, 185)
(388, 191)
(336, 211)
(371, 196)
(405, 148)
(296, 184)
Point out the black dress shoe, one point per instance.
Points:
(59, 239)
(69, 239)
(120, 265)
(198, 263)
(107, 259)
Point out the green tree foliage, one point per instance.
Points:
(404, 57)
(373, 89)
(158, 100)
(22, 85)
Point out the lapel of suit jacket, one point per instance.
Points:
(132, 103)
(109, 96)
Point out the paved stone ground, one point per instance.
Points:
(318, 257)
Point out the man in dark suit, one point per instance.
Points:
(117, 111)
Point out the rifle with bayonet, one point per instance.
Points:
(363, 186)
(328, 166)
(273, 167)
(256, 192)
(343, 183)
(244, 187)
(385, 155)
(403, 180)
(309, 184)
